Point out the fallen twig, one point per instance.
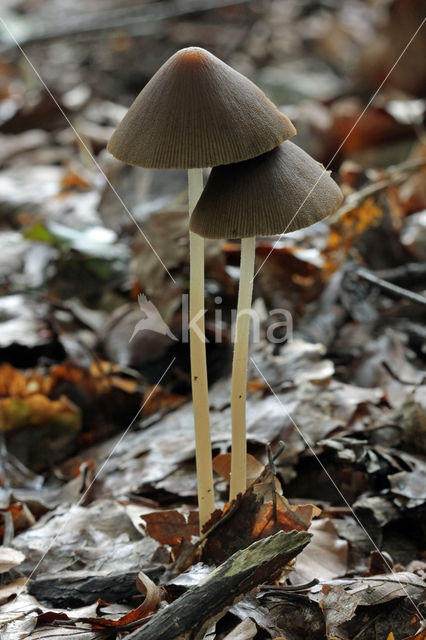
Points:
(393, 289)
(188, 616)
(403, 274)
(289, 588)
(396, 175)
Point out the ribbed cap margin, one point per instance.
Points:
(279, 191)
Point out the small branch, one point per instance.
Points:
(393, 289)
(404, 274)
(396, 175)
(205, 603)
(279, 450)
(288, 588)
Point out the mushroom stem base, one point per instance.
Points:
(200, 398)
(239, 370)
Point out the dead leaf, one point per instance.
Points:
(18, 384)
(158, 399)
(338, 607)
(410, 484)
(38, 410)
(325, 558)
(344, 232)
(47, 633)
(340, 598)
(246, 630)
(418, 636)
(21, 516)
(72, 180)
(250, 518)
(10, 558)
(399, 584)
(171, 527)
(288, 517)
(11, 589)
(153, 596)
(222, 466)
(379, 562)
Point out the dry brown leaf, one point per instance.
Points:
(375, 127)
(153, 594)
(249, 518)
(72, 180)
(101, 377)
(18, 384)
(418, 636)
(153, 597)
(171, 527)
(346, 230)
(222, 466)
(158, 399)
(256, 385)
(288, 517)
(21, 516)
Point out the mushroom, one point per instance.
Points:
(197, 112)
(277, 192)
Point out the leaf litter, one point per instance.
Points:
(103, 524)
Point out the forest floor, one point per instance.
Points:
(98, 496)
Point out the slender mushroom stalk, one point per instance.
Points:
(200, 394)
(239, 369)
(196, 112)
(282, 190)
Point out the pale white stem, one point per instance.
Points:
(200, 398)
(239, 370)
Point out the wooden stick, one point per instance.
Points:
(392, 289)
(190, 615)
(395, 175)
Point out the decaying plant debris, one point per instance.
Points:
(98, 488)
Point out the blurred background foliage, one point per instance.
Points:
(72, 261)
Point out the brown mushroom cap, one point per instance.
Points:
(198, 112)
(277, 192)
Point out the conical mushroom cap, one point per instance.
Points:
(277, 192)
(198, 112)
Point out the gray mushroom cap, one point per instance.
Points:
(277, 192)
(196, 111)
